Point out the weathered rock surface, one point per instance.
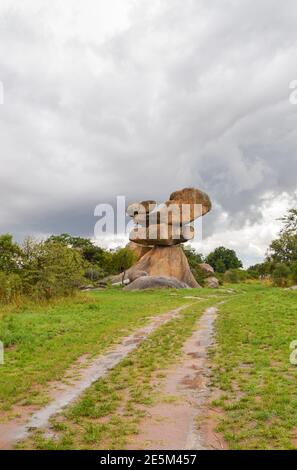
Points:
(161, 235)
(211, 282)
(165, 261)
(164, 229)
(142, 207)
(135, 274)
(192, 196)
(206, 268)
(138, 250)
(155, 282)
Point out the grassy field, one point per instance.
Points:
(42, 342)
(253, 371)
(109, 411)
(253, 381)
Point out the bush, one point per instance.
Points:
(195, 259)
(231, 276)
(10, 287)
(294, 272)
(280, 275)
(9, 254)
(50, 269)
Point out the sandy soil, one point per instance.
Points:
(185, 421)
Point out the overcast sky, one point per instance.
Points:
(140, 98)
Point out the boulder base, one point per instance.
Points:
(138, 250)
(167, 261)
(154, 282)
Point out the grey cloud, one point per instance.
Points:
(189, 93)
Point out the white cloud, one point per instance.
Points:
(252, 239)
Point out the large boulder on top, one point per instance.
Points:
(155, 282)
(192, 196)
(171, 212)
(168, 261)
(142, 207)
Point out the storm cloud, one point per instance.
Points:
(137, 98)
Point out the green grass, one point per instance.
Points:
(41, 342)
(251, 367)
(251, 371)
(110, 410)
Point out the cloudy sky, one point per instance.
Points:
(143, 97)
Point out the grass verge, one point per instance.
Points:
(251, 368)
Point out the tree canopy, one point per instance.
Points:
(222, 259)
(284, 248)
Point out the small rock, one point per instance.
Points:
(211, 282)
(206, 268)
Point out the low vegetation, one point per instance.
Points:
(56, 267)
(252, 369)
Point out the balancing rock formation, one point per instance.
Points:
(157, 237)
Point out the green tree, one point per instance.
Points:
(195, 259)
(9, 254)
(90, 252)
(294, 271)
(284, 248)
(50, 269)
(222, 259)
(280, 275)
(122, 259)
(290, 222)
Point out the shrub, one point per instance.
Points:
(10, 287)
(231, 276)
(280, 275)
(294, 272)
(50, 269)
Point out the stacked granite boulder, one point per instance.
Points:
(157, 236)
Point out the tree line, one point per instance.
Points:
(54, 267)
(280, 263)
(61, 264)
